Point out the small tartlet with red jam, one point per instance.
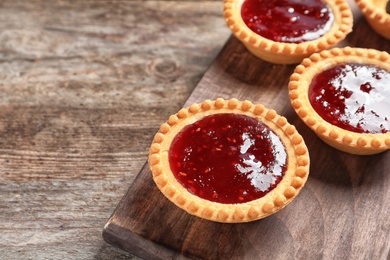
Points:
(343, 95)
(285, 32)
(377, 14)
(229, 161)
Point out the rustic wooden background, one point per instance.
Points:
(84, 86)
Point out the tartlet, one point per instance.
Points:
(282, 52)
(375, 13)
(357, 119)
(285, 180)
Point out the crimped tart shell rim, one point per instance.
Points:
(376, 16)
(289, 187)
(373, 13)
(357, 143)
(341, 27)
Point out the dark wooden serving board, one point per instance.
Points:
(342, 212)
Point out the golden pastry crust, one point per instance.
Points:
(347, 141)
(294, 179)
(375, 13)
(288, 53)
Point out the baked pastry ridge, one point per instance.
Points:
(375, 12)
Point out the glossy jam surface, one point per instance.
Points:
(228, 158)
(354, 97)
(289, 21)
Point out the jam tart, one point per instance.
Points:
(287, 31)
(229, 161)
(377, 14)
(343, 96)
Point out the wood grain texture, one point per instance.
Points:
(342, 213)
(84, 86)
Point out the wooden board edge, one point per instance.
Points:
(137, 245)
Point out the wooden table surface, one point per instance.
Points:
(84, 86)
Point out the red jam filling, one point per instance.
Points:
(288, 21)
(228, 158)
(354, 97)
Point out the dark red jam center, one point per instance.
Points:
(228, 158)
(289, 21)
(354, 97)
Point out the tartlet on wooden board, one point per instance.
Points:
(284, 52)
(292, 182)
(299, 85)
